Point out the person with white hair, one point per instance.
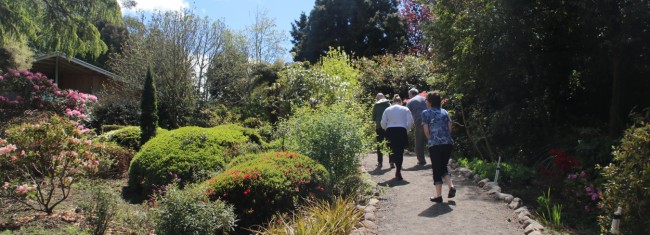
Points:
(377, 111)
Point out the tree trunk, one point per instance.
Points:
(616, 112)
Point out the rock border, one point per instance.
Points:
(531, 226)
(368, 223)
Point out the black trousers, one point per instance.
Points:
(381, 136)
(397, 141)
(440, 155)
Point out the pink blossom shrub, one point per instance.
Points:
(23, 90)
(40, 161)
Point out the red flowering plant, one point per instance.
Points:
(41, 161)
(558, 163)
(22, 90)
(269, 183)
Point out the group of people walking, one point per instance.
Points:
(432, 128)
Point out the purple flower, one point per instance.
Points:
(583, 174)
(573, 176)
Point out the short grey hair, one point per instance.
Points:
(413, 92)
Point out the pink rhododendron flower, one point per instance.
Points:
(21, 190)
(7, 149)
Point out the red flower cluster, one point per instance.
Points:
(562, 160)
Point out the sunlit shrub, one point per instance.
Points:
(188, 153)
(335, 136)
(190, 211)
(269, 183)
(511, 173)
(127, 137)
(39, 159)
(628, 180)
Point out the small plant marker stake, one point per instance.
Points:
(616, 221)
(496, 175)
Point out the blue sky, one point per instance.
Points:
(237, 14)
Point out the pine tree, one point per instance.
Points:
(149, 106)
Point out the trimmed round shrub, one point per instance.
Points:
(127, 137)
(187, 154)
(113, 159)
(269, 183)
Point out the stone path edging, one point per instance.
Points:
(531, 226)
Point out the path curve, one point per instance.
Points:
(404, 207)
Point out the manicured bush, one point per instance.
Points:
(628, 181)
(267, 184)
(127, 137)
(190, 211)
(335, 136)
(188, 153)
(39, 159)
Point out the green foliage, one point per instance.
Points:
(100, 209)
(510, 173)
(393, 74)
(549, 212)
(41, 228)
(269, 183)
(322, 217)
(39, 159)
(361, 28)
(127, 137)
(628, 180)
(15, 55)
(190, 211)
(183, 153)
(149, 107)
(335, 136)
(66, 26)
(112, 110)
(135, 219)
(113, 159)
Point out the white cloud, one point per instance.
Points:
(164, 5)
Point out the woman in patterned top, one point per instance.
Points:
(437, 128)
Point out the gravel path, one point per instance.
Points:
(404, 207)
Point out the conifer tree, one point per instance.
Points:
(149, 106)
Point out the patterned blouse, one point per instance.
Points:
(438, 121)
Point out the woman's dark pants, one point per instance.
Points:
(439, 155)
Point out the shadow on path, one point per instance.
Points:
(438, 209)
(393, 182)
(379, 171)
(418, 167)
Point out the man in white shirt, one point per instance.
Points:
(396, 120)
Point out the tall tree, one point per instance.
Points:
(228, 74)
(415, 14)
(56, 25)
(180, 46)
(360, 28)
(299, 30)
(265, 40)
(149, 106)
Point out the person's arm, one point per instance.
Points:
(425, 126)
(384, 121)
(409, 120)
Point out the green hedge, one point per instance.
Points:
(269, 183)
(189, 153)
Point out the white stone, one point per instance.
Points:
(534, 226)
(370, 216)
(373, 202)
(516, 203)
(370, 209)
(521, 209)
(483, 182)
(369, 224)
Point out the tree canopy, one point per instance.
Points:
(360, 28)
(58, 25)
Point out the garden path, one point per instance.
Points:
(404, 207)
